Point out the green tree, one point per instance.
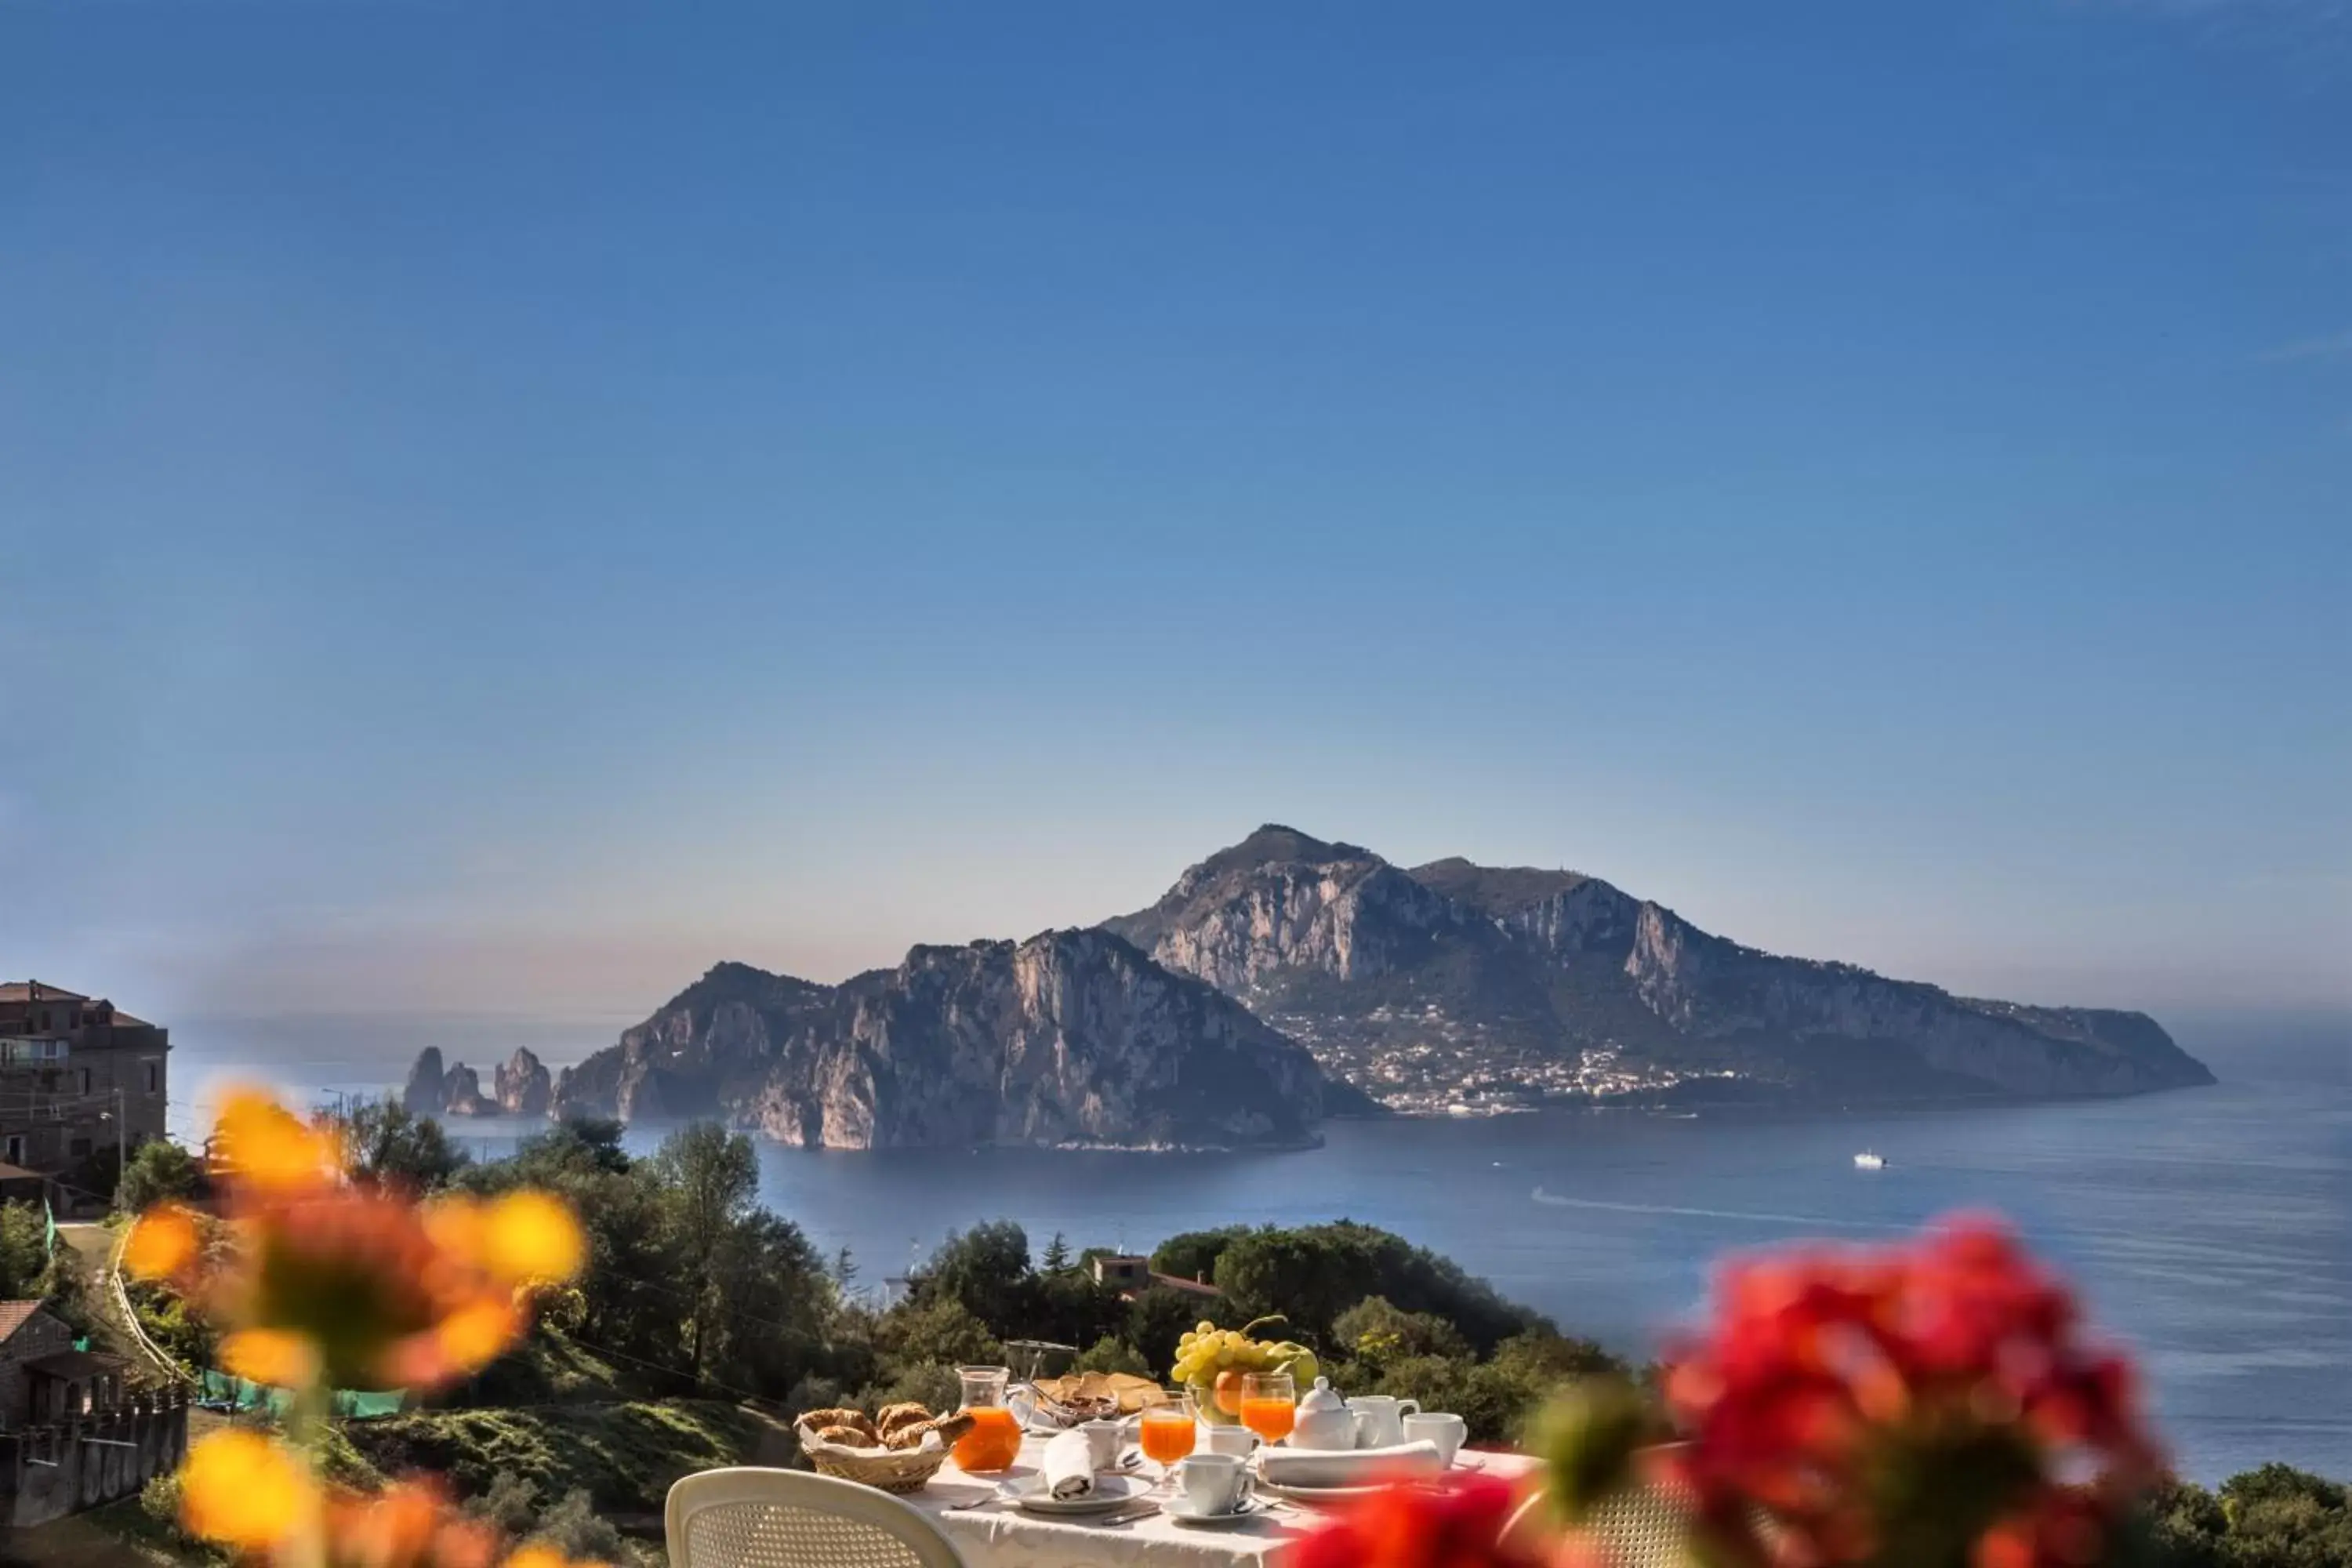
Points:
(1110, 1353)
(387, 1144)
(1193, 1254)
(1374, 1331)
(1314, 1273)
(23, 1251)
(1057, 1254)
(160, 1170)
(1159, 1317)
(630, 1295)
(987, 1269)
(941, 1333)
(707, 1178)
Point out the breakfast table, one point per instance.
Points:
(992, 1533)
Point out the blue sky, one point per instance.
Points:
(504, 504)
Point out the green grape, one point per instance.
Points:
(1204, 1327)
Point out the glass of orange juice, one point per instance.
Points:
(1269, 1404)
(1165, 1433)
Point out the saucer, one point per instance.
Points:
(1181, 1510)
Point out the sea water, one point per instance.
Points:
(2209, 1229)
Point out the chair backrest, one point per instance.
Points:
(752, 1518)
(1641, 1526)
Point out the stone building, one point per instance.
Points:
(43, 1379)
(78, 1075)
(72, 1435)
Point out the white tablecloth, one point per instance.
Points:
(997, 1535)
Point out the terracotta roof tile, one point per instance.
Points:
(21, 991)
(14, 1315)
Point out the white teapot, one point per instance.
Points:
(1323, 1420)
(1380, 1419)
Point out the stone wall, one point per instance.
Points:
(49, 1472)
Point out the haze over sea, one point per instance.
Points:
(2210, 1228)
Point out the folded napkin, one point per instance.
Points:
(1348, 1467)
(1068, 1467)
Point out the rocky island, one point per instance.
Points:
(1287, 979)
(1454, 984)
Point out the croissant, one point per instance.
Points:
(840, 1415)
(847, 1437)
(893, 1415)
(910, 1434)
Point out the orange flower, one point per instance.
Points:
(533, 1238)
(358, 1286)
(245, 1491)
(262, 1145)
(163, 1242)
(270, 1356)
(407, 1525)
(525, 1238)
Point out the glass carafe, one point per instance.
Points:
(994, 1440)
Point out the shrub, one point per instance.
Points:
(1112, 1354)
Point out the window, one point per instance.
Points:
(79, 1149)
(154, 1078)
(16, 1149)
(85, 1080)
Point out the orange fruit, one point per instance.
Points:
(1229, 1392)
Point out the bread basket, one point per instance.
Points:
(885, 1469)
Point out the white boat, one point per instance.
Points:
(1867, 1160)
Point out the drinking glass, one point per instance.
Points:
(1269, 1404)
(1165, 1433)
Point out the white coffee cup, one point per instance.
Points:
(1104, 1441)
(1446, 1431)
(1213, 1483)
(1238, 1441)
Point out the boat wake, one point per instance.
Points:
(1808, 1222)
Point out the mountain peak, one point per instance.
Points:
(1275, 842)
(1495, 890)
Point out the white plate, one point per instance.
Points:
(1110, 1492)
(1181, 1510)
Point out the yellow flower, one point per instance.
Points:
(532, 1237)
(271, 1356)
(539, 1554)
(459, 1225)
(245, 1491)
(476, 1334)
(266, 1146)
(162, 1242)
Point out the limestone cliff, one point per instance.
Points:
(522, 1084)
(1070, 1037)
(1503, 968)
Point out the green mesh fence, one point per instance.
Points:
(219, 1388)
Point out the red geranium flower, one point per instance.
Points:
(1934, 1404)
(1456, 1526)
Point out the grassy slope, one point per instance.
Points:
(625, 1454)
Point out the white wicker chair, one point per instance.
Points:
(1641, 1526)
(752, 1518)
